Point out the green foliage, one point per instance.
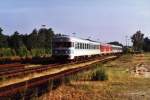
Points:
(45, 38)
(137, 40)
(23, 52)
(140, 43)
(99, 74)
(32, 40)
(38, 43)
(40, 52)
(3, 39)
(15, 42)
(146, 46)
(5, 52)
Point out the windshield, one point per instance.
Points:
(61, 44)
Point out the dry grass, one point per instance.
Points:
(121, 84)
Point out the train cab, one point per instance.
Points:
(62, 47)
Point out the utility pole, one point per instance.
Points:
(126, 40)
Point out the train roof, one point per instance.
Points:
(73, 39)
(116, 46)
(76, 39)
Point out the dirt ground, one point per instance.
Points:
(123, 83)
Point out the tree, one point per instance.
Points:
(146, 46)
(42, 37)
(137, 40)
(38, 42)
(32, 40)
(1, 30)
(24, 39)
(45, 38)
(3, 39)
(15, 42)
(48, 39)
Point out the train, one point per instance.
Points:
(66, 47)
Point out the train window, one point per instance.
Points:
(97, 46)
(62, 44)
(88, 46)
(78, 45)
(83, 46)
(72, 44)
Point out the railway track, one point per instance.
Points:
(20, 70)
(14, 88)
(11, 66)
(24, 71)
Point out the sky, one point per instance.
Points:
(101, 20)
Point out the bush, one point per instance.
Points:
(5, 52)
(23, 52)
(99, 74)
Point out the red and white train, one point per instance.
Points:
(71, 48)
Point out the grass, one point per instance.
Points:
(121, 84)
(99, 75)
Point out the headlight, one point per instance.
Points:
(67, 51)
(56, 52)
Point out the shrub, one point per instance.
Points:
(99, 74)
(23, 52)
(5, 52)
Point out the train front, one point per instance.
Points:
(62, 48)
